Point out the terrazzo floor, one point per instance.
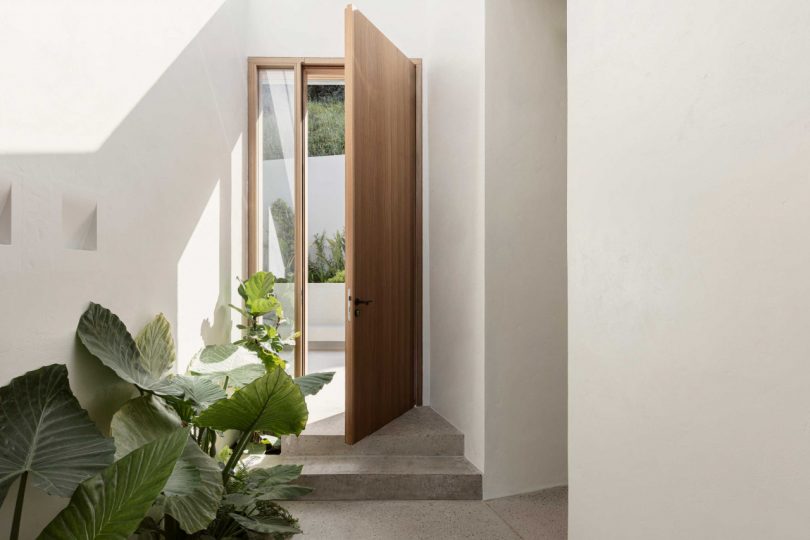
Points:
(541, 515)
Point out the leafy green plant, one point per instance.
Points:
(228, 389)
(250, 502)
(165, 482)
(112, 503)
(32, 407)
(194, 489)
(46, 433)
(327, 258)
(339, 277)
(263, 315)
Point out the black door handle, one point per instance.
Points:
(358, 302)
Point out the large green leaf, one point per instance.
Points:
(139, 421)
(265, 525)
(312, 383)
(258, 294)
(156, 346)
(44, 431)
(111, 504)
(240, 376)
(240, 365)
(193, 491)
(107, 338)
(194, 505)
(167, 387)
(279, 474)
(198, 391)
(259, 285)
(272, 403)
(272, 483)
(213, 354)
(263, 306)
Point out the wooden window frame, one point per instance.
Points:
(304, 67)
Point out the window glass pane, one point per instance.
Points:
(326, 189)
(325, 118)
(277, 185)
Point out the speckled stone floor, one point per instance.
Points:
(541, 515)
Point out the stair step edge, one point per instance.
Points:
(376, 465)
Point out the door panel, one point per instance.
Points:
(380, 216)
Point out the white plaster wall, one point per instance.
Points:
(326, 195)
(142, 111)
(326, 315)
(689, 264)
(449, 37)
(526, 334)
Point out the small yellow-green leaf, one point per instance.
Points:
(156, 346)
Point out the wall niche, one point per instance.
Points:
(79, 222)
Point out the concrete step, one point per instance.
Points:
(418, 432)
(385, 477)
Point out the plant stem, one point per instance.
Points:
(212, 443)
(15, 523)
(234, 459)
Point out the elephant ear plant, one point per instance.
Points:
(169, 473)
(46, 436)
(230, 390)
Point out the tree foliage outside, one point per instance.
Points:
(327, 258)
(327, 254)
(284, 220)
(326, 120)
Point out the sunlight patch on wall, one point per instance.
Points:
(73, 71)
(198, 282)
(238, 202)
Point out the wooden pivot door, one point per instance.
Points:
(381, 205)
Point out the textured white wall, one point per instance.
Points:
(526, 335)
(449, 37)
(454, 74)
(689, 279)
(145, 117)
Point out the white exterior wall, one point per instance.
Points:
(689, 279)
(138, 108)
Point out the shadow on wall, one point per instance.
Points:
(167, 185)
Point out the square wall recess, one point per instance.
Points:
(79, 222)
(5, 214)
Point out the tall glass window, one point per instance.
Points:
(326, 243)
(277, 189)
